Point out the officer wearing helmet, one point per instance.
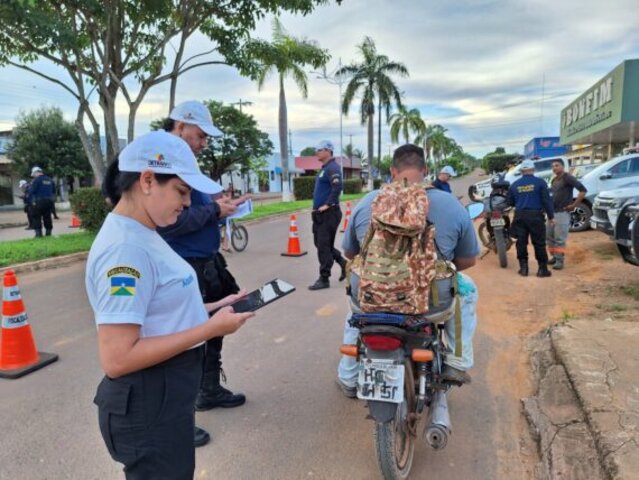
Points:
(531, 198)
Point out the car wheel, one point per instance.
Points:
(580, 218)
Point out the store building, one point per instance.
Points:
(603, 121)
(543, 147)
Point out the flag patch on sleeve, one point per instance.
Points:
(123, 281)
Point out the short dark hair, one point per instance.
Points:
(559, 160)
(168, 124)
(409, 156)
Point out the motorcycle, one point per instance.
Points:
(400, 365)
(495, 231)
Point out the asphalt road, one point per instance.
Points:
(296, 423)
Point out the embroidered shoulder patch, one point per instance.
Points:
(123, 281)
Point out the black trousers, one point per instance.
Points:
(325, 225)
(530, 223)
(147, 418)
(42, 212)
(215, 282)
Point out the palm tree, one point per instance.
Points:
(371, 78)
(406, 121)
(430, 137)
(286, 55)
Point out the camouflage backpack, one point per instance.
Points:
(397, 262)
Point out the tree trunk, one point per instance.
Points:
(379, 139)
(173, 90)
(91, 144)
(371, 148)
(283, 127)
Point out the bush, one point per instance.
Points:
(377, 183)
(352, 185)
(303, 187)
(89, 205)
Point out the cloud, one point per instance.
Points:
(476, 66)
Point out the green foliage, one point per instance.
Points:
(119, 50)
(307, 152)
(303, 187)
(352, 186)
(498, 160)
(29, 250)
(385, 165)
(269, 209)
(406, 121)
(377, 183)
(91, 207)
(44, 138)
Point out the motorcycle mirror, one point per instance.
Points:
(475, 210)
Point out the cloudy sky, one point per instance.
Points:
(478, 67)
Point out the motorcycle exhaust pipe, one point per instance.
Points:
(439, 428)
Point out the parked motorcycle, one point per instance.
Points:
(400, 364)
(494, 232)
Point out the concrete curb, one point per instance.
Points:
(13, 225)
(47, 263)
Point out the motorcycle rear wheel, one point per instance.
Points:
(394, 444)
(500, 243)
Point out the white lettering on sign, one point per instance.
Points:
(592, 101)
(15, 321)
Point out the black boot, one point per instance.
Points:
(543, 271)
(200, 437)
(38, 233)
(212, 394)
(523, 268)
(319, 284)
(342, 265)
(47, 233)
(552, 260)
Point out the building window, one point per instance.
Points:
(272, 176)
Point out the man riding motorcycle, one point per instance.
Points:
(456, 241)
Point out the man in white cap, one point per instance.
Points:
(327, 215)
(444, 176)
(196, 238)
(42, 195)
(23, 185)
(531, 198)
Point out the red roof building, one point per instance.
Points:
(311, 164)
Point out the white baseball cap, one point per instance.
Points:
(196, 113)
(449, 171)
(35, 170)
(325, 145)
(162, 152)
(527, 165)
(22, 183)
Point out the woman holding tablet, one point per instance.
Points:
(149, 311)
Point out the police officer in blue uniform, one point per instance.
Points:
(531, 198)
(42, 195)
(327, 215)
(195, 237)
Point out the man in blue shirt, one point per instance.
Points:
(196, 238)
(441, 182)
(42, 196)
(531, 198)
(327, 215)
(456, 241)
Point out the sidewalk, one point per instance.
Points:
(601, 359)
(586, 409)
(13, 223)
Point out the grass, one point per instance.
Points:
(566, 316)
(270, 209)
(631, 290)
(607, 251)
(28, 250)
(615, 307)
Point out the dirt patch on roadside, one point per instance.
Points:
(595, 284)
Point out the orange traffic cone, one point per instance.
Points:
(75, 221)
(18, 354)
(347, 217)
(294, 249)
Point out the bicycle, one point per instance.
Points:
(238, 235)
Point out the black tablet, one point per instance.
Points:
(268, 293)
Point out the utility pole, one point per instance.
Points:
(290, 144)
(241, 102)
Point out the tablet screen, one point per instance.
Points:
(264, 295)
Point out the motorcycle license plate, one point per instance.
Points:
(498, 222)
(381, 380)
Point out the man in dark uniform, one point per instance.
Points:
(327, 215)
(562, 186)
(531, 198)
(42, 193)
(196, 238)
